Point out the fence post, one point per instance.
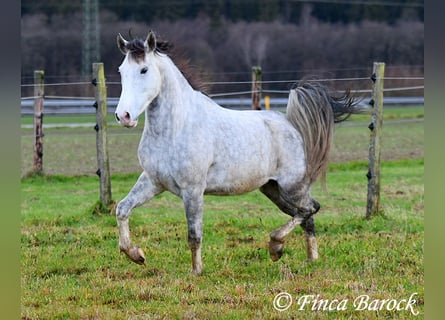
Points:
(375, 128)
(256, 88)
(267, 102)
(39, 92)
(101, 133)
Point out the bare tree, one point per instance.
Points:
(227, 50)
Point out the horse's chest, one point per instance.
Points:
(164, 163)
(154, 158)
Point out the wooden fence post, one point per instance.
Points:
(256, 88)
(375, 128)
(101, 133)
(39, 92)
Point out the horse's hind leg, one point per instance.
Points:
(300, 206)
(278, 236)
(311, 242)
(141, 192)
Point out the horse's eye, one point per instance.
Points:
(144, 70)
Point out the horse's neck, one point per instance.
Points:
(167, 114)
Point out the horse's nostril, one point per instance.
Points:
(127, 116)
(117, 117)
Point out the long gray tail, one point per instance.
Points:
(313, 112)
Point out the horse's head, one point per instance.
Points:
(140, 78)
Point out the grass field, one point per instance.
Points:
(72, 269)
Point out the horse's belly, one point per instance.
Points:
(234, 188)
(235, 180)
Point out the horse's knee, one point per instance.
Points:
(194, 242)
(122, 210)
(194, 235)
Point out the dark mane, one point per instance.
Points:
(136, 49)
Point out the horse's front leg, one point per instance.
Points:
(141, 192)
(194, 207)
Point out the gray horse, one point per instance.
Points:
(191, 146)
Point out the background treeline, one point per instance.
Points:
(224, 48)
(287, 11)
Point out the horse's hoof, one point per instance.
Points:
(136, 255)
(197, 272)
(311, 259)
(275, 250)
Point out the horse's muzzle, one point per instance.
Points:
(125, 120)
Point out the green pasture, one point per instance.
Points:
(72, 269)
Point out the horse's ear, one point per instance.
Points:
(122, 44)
(150, 42)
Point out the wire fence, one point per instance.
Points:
(239, 93)
(84, 160)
